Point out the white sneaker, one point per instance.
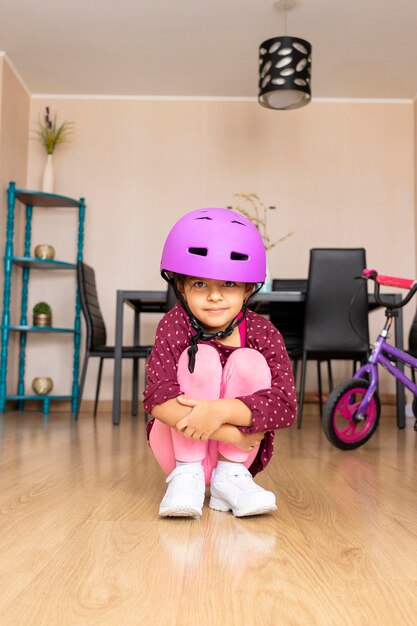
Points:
(234, 489)
(185, 494)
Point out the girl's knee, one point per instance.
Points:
(207, 360)
(248, 362)
(205, 381)
(248, 356)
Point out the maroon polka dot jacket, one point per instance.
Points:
(271, 409)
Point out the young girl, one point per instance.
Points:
(219, 381)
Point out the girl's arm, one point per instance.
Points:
(172, 412)
(205, 416)
(231, 434)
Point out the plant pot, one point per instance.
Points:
(42, 319)
(42, 385)
(44, 251)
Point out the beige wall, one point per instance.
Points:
(14, 123)
(415, 176)
(340, 174)
(2, 62)
(14, 110)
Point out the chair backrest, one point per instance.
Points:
(288, 318)
(412, 337)
(96, 328)
(171, 299)
(336, 312)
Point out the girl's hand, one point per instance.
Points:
(203, 419)
(248, 441)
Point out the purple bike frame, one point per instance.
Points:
(382, 354)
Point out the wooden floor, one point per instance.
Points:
(81, 541)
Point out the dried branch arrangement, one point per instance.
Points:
(257, 212)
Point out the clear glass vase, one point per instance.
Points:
(267, 286)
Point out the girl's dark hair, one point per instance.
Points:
(178, 280)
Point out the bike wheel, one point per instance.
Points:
(339, 423)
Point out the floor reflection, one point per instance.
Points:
(232, 545)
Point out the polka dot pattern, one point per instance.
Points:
(272, 409)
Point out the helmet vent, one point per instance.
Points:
(237, 222)
(238, 256)
(204, 218)
(198, 251)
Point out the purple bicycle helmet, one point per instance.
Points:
(215, 243)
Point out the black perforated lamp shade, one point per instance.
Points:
(284, 73)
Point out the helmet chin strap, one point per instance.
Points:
(205, 336)
(202, 333)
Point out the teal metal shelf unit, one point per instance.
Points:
(42, 264)
(42, 329)
(31, 199)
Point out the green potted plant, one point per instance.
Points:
(42, 314)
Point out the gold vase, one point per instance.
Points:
(42, 385)
(44, 251)
(42, 319)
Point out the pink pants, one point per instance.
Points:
(245, 372)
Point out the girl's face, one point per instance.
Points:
(215, 303)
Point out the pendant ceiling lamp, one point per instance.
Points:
(284, 68)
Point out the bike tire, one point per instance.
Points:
(340, 409)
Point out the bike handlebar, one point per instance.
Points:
(391, 281)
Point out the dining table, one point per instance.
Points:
(155, 301)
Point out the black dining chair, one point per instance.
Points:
(96, 337)
(171, 299)
(336, 312)
(288, 318)
(412, 342)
